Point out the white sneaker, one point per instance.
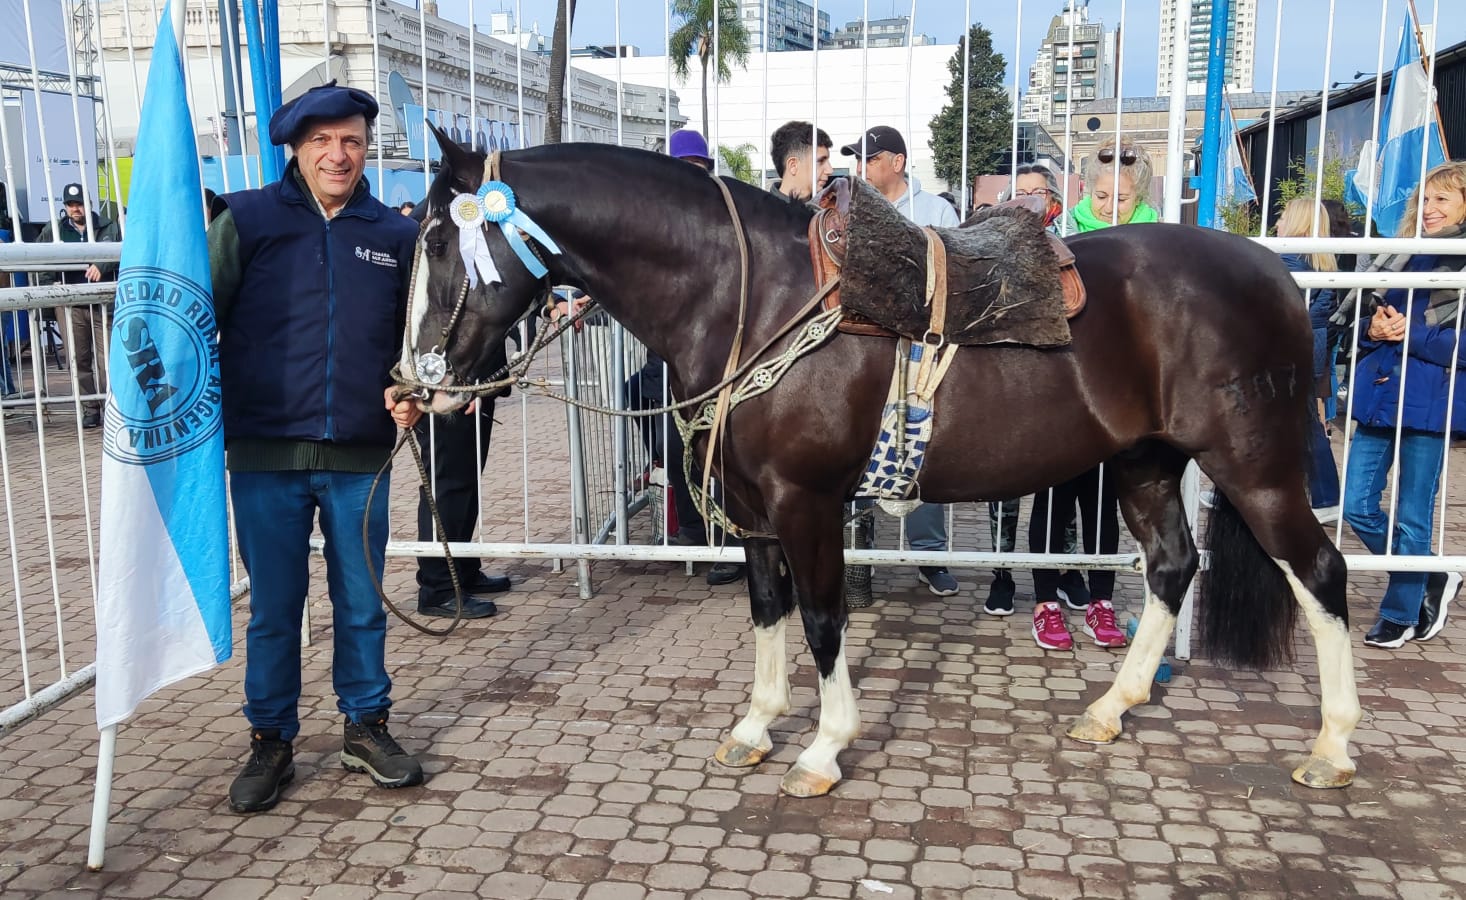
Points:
(1327, 514)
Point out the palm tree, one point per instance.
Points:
(559, 54)
(695, 36)
(738, 162)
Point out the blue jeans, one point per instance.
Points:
(274, 514)
(1323, 475)
(1370, 455)
(926, 527)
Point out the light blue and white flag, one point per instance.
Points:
(163, 601)
(1409, 133)
(1234, 184)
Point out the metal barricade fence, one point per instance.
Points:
(605, 494)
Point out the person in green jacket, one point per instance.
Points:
(1118, 182)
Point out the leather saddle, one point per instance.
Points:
(827, 249)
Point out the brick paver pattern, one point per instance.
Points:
(568, 745)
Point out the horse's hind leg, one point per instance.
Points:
(771, 597)
(1148, 483)
(1329, 765)
(1282, 536)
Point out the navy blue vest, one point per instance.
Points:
(317, 326)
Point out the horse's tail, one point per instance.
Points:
(1248, 609)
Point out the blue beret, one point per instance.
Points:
(325, 101)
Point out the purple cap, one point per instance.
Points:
(687, 143)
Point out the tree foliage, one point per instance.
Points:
(738, 162)
(695, 37)
(989, 112)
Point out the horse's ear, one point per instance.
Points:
(455, 155)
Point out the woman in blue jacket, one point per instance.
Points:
(1305, 217)
(1409, 356)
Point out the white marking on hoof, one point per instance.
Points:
(1329, 766)
(816, 771)
(1137, 673)
(768, 700)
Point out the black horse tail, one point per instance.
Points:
(1248, 610)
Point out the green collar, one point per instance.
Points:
(1085, 220)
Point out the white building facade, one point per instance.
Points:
(1241, 46)
(850, 90)
(322, 41)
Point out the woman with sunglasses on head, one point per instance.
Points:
(1305, 217)
(1118, 184)
(1410, 357)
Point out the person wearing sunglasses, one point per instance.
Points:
(1118, 182)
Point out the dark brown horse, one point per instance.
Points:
(1193, 346)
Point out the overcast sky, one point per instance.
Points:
(1305, 26)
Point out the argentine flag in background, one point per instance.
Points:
(1234, 184)
(1408, 130)
(163, 600)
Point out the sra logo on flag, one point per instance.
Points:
(166, 401)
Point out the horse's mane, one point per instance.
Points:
(660, 167)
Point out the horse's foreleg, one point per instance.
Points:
(816, 771)
(770, 600)
(808, 525)
(1329, 765)
(1149, 489)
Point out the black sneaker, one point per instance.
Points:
(1000, 594)
(937, 579)
(725, 573)
(369, 748)
(1440, 589)
(1388, 635)
(271, 766)
(1073, 591)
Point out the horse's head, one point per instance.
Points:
(456, 330)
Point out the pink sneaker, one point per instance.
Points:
(1099, 623)
(1049, 629)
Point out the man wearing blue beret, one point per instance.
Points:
(310, 291)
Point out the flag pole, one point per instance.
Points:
(1429, 75)
(102, 798)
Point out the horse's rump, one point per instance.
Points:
(1002, 275)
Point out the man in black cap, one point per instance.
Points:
(310, 289)
(86, 322)
(880, 158)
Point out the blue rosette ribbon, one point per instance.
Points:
(499, 206)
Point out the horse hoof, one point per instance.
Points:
(1091, 730)
(1321, 774)
(737, 755)
(802, 782)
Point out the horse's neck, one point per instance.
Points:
(664, 277)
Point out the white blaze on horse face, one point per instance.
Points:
(770, 696)
(1340, 698)
(417, 303)
(839, 721)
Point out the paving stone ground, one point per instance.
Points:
(568, 745)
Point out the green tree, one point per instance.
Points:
(738, 162)
(989, 114)
(694, 37)
(559, 56)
